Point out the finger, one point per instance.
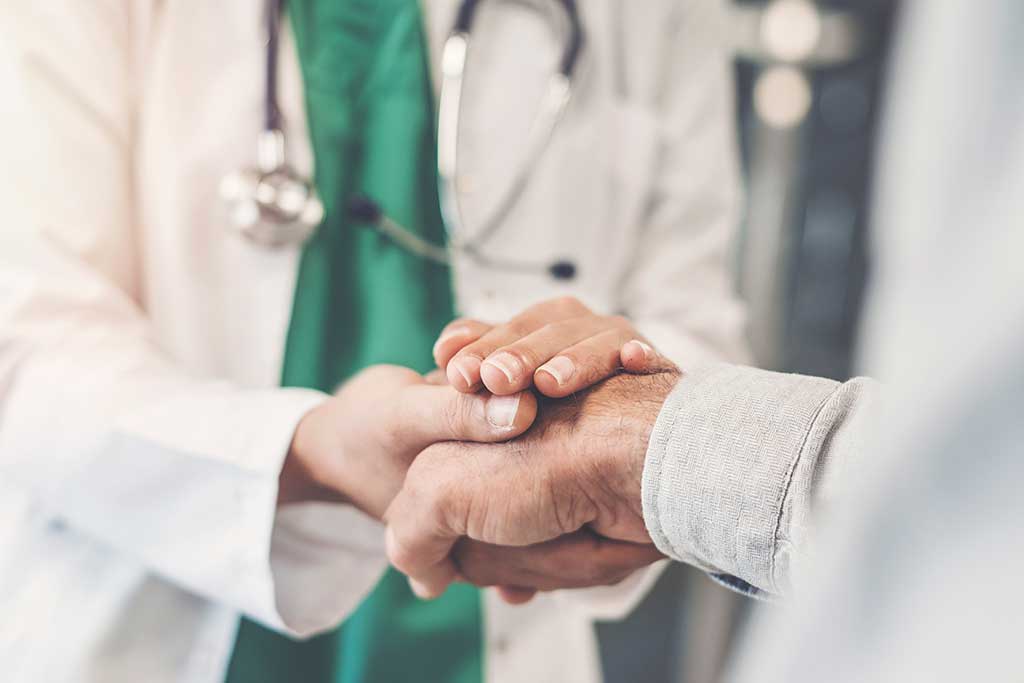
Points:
(425, 414)
(582, 364)
(510, 368)
(436, 378)
(639, 358)
(515, 595)
(463, 369)
(578, 560)
(418, 542)
(456, 335)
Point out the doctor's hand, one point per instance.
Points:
(579, 466)
(559, 346)
(356, 446)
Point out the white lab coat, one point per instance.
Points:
(141, 428)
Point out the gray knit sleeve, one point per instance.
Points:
(738, 460)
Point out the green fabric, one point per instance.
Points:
(361, 300)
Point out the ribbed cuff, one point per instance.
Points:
(719, 465)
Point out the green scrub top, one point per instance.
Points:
(361, 300)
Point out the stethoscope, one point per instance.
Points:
(273, 205)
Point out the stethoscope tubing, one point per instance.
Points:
(364, 210)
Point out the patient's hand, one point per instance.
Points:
(579, 560)
(559, 346)
(579, 467)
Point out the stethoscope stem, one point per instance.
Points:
(271, 109)
(365, 211)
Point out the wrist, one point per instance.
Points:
(622, 465)
(306, 475)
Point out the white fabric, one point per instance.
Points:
(141, 433)
(917, 575)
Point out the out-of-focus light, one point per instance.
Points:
(790, 29)
(782, 96)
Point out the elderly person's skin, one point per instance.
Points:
(579, 560)
(579, 467)
(357, 446)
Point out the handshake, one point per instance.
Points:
(478, 479)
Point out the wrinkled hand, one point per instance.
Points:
(560, 346)
(579, 466)
(356, 446)
(579, 560)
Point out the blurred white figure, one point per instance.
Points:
(918, 574)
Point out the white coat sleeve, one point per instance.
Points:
(97, 422)
(680, 290)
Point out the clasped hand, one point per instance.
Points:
(479, 481)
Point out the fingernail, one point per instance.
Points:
(420, 590)
(450, 334)
(508, 364)
(561, 368)
(648, 351)
(467, 367)
(501, 411)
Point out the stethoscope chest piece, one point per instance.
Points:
(272, 205)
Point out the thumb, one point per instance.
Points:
(419, 548)
(427, 414)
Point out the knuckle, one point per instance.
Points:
(402, 556)
(474, 350)
(563, 327)
(398, 548)
(517, 327)
(567, 304)
(433, 492)
(460, 416)
(459, 323)
(523, 354)
(589, 369)
(391, 434)
(620, 322)
(392, 440)
(398, 554)
(451, 419)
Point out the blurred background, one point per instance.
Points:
(809, 76)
